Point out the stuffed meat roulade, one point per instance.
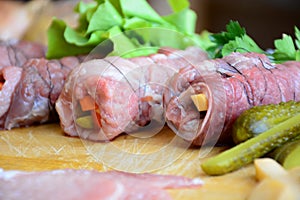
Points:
(103, 98)
(30, 84)
(204, 100)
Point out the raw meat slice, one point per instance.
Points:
(72, 184)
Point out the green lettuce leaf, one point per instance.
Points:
(84, 10)
(136, 22)
(180, 18)
(102, 20)
(181, 15)
(297, 34)
(177, 6)
(58, 46)
(141, 9)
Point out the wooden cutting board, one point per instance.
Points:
(46, 147)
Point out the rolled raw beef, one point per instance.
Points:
(13, 55)
(16, 53)
(9, 79)
(34, 95)
(103, 98)
(30, 84)
(229, 86)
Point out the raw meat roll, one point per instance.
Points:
(30, 91)
(103, 98)
(225, 88)
(16, 53)
(29, 83)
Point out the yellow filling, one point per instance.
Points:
(200, 102)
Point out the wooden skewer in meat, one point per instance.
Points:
(110, 96)
(230, 85)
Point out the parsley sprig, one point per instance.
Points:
(287, 48)
(235, 39)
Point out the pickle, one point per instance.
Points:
(288, 154)
(261, 118)
(244, 153)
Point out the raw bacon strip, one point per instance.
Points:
(127, 92)
(231, 84)
(84, 184)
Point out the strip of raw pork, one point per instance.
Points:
(71, 184)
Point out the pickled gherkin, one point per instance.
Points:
(255, 147)
(259, 119)
(288, 154)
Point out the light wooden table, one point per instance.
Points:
(46, 147)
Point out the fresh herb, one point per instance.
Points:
(117, 27)
(241, 44)
(235, 39)
(131, 27)
(232, 40)
(287, 49)
(233, 30)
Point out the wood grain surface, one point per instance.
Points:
(46, 147)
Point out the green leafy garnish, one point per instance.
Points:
(127, 24)
(241, 44)
(286, 48)
(130, 28)
(235, 39)
(232, 40)
(233, 30)
(297, 34)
